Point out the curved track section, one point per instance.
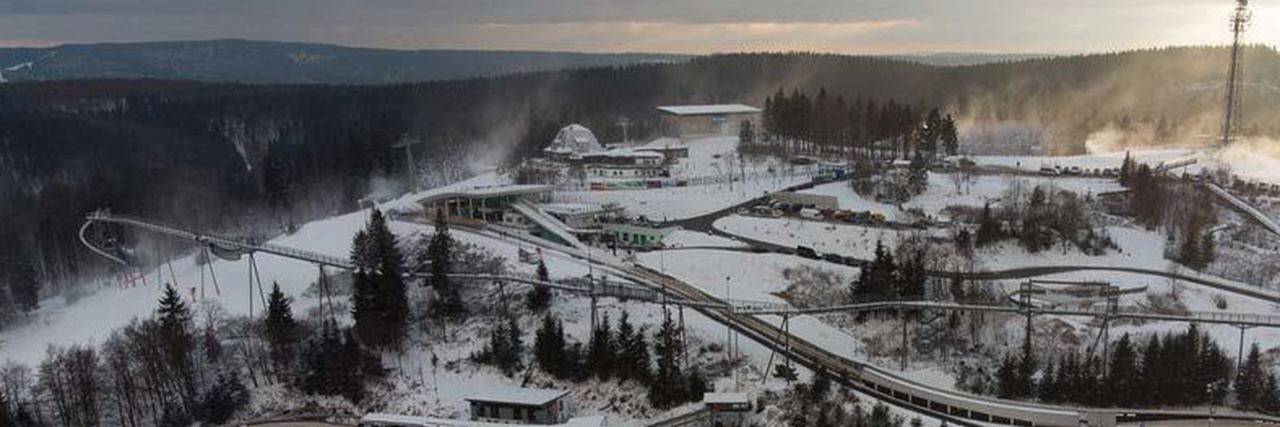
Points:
(955, 407)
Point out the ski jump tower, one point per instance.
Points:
(1239, 23)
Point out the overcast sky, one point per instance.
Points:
(678, 26)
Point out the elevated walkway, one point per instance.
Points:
(549, 223)
(1244, 208)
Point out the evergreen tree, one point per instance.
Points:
(601, 350)
(1207, 250)
(281, 330)
(1153, 372)
(540, 298)
(988, 227)
(1046, 389)
(24, 285)
(912, 276)
(504, 348)
(1123, 378)
(178, 343)
(1126, 169)
(880, 416)
(1067, 380)
(226, 396)
(633, 352)
(668, 384)
(336, 365)
(448, 299)
(1007, 383)
(879, 280)
(918, 178)
(746, 132)
(1087, 383)
(549, 346)
(950, 137)
(785, 372)
(1251, 382)
(380, 307)
(1271, 395)
(1034, 228)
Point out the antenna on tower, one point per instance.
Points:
(411, 174)
(1239, 23)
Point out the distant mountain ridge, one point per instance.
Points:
(270, 62)
(246, 61)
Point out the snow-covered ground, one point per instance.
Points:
(1087, 161)
(942, 192)
(709, 158)
(673, 203)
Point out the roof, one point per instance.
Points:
(518, 396)
(725, 398)
(409, 420)
(623, 153)
(574, 138)
(482, 192)
(579, 208)
(694, 110)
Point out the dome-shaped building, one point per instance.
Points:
(572, 139)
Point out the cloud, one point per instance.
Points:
(683, 37)
(847, 26)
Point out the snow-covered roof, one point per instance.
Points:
(518, 396)
(574, 138)
(430, 196)
(725, 398)
(694, 110)
(623, 153)
(410, 420)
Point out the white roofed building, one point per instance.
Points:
(518, 405)
(684, 121)
(572, 139)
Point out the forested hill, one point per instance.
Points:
(263, 62)
(224, 155)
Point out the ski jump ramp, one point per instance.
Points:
(550, 223)
(1245, 207)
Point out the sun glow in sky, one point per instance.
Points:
(678, 26)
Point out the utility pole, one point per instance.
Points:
(407, 142)
(1240, 18)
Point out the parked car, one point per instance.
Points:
(759, 249)
(833, 258)
(807, 252)
(786, 251)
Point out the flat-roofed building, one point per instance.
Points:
(518, 406)
(685, 121)
(728, 409)
(489, 204)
